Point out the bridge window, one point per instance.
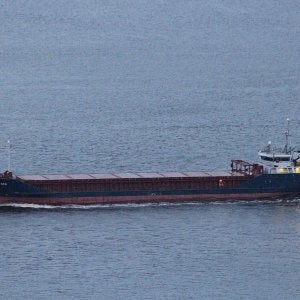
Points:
(277, 159)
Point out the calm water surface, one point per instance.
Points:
(102, 86)
(230, 250)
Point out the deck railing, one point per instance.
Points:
(246, 168)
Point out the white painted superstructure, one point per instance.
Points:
(280, 161)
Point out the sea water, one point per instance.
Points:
(114, 86)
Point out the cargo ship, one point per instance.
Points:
(277, 174)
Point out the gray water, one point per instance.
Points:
(104, 86)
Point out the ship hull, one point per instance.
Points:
(247, 188)
(106, 200)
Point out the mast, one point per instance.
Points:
(287, 135)
(8, 155)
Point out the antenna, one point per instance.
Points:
(287, 135)
(8, 156)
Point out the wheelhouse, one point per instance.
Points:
(280, 161)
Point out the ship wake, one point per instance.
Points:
(18, 206)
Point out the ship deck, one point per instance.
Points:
(136, 175)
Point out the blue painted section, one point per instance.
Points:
(13, 187)
(273, 182)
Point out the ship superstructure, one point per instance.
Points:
(280, 160)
